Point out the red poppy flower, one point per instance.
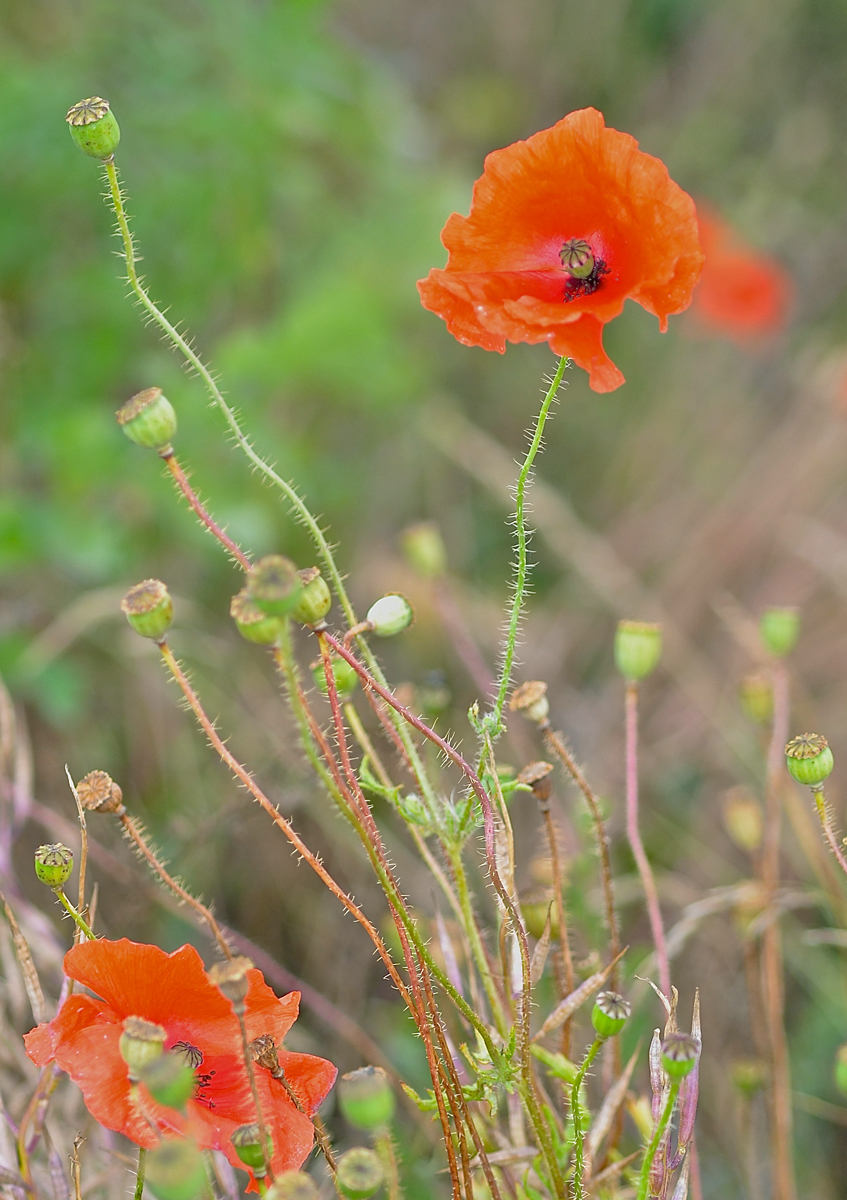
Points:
(172, 990)
(564, 228)
(742, 293)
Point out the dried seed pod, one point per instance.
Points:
(530, 700)
(98, 792)
(231, 978)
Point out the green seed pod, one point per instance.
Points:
(248, 1147)
(293, 1185)
(366, 1098)
(610, 1014)
(148, 419)
(530, 700)
(176, 1171)
(252, 623)
(809, 759)
(390, 615)
(840, 1069)
(315, 599)
(344, 675)
(577, 258)
(54, 864)
(274, 585)
(638, 648)
(680, 1052)
(360, 1173)
(424, 549)
(756, 695)
(93, 127)
(149, 609)
(169, 1080)
(779, 629)
(535, 905)
(98, 792)
(141, 1043)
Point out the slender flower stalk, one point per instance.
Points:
(822, 806)
(655, 1141)
(77, 919)
(633, 834)
(139, 1174)
(576, 1113)
(200, 511)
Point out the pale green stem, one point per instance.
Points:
(139, 1175)
(521, 568)
(77, 919)
(576, 1112)
(658, 1134)
(384, 1147)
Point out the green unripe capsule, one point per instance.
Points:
(169, 1080)
(149, 609)
(779, 629)
(315, 599)
(252, 623)
(175, 1171)
(840, 1070)
(365, 1098)
(577, 258)
(638, 648)
(424, 549)
(248, 1147)
(360, 1173)
(54, 864)
(93, 127)
(344, 675)
(141, 1043)
(536, 905)
(148, 419)
(809, 759)
(390, 615)
(680, 1052)
(274, 585)
(610, 1014)
(293, 1185)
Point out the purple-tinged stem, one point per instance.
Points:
(641, 861)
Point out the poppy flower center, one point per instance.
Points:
(584, 269)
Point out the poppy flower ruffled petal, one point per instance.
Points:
(578, 182)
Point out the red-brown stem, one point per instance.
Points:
(772, 967)
(321, 1135)
(359, 801)
(564, 941)
(651, 896)
(203, 516)
(243, 775)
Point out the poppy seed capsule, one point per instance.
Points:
(141, 1043)
(365, 1098)
(390, 615)
(314, 600)
(779, 629)
(98, 792)
(538, 777)
(424, 549)
(148, 419)
(274, 585)
(149, 609)
(809, 759)
(252, 623)
(360, 1173)
(344, 675)
(536, 906)
(293, 1185)
(248, 1147)
(577, 258)
(230, 977)
(610, 1014)
(169, 1080)
(93, 127)
(54, 864)
(638, 648)
(530, 700)
(680, 1052)
(175, 1170)
(840, 1069)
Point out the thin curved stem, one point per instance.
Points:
(200, 511)
(829, 832)
(576, 1112)
(74, 915)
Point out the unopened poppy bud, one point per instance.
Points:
(390, 615)
(360, 1173)
(743, 819)
(530, 700)
(314, 600)
(98, 792)
(54, 864)
(248, 1146)
(749, 1075)
(293, 1185)
(840, 1070)
(577, 258)
(779, 629)
(274, 585)
(231, 978)
(755, 692)
(252, 623)
(679, 1054)
(424, 548)
(610, 1014)
(148, 419)
(141, 1043)
(638, 648)
(93, 127)
(809, 759)
(175, 1171)
(536, 904)
(366, 1098)
(149, 609)
(344, 675)
(169, 1080)
(538, 776)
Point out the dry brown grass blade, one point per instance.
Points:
(572, 1003)
(25, 961)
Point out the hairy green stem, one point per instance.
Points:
(475, 939)
(655, 1141)
(576, 1112)
(139, 1174)
(72, 912)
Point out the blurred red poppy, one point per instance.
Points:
(563, 228)
(172, 990)
(742, 294)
